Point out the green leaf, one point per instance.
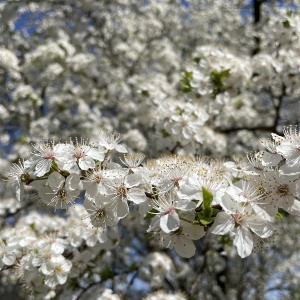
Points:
(238, 103)
(197, 59)
(207, 200)
(73, 283)
(151, 214)
(22, 140)
(217, 80)
(286, 24)
(180, 110)
(132, 268)
(106, 274)
(165, 133)
(145, 93)
(186, 78)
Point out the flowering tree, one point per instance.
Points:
(94, 214)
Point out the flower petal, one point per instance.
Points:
(185, 247)
(121, 148)
(72, 182)
(170, 222)
(136, 195)
(243, 241)
(122, 209)
(86, 163)
(223, 224)
(55, 180)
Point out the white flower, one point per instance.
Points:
(156, 266)
(240, 220)
(256, 167)
(56, 270)
(43, 157)
(110, 141)
(95, 180)
(172, 176)
(289, 148)
(100, 211)
(18, 175)
(192, 188)
(133, 161)
(270, 158)
(281, 192)
(7, 254)
(9, 61)
(120, 190)
(82, 156)
(166, 206)
(202, 83)
(181, 239)
(59, 191)
(245, 192)
(46, 248)
(95, 235)
(237, 166)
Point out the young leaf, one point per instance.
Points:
(207, 200)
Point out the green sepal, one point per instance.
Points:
(151, 214)
(205, 220)
(235, 179)
(215, 211)
(282, 213)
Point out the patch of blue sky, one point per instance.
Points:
(14, 134)
(141, 285)
(246, 11)
(185, 3)
(292, 6)
(28, 21)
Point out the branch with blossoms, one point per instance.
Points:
(184, 196)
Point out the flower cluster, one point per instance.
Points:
(47, 250)
(184, 196)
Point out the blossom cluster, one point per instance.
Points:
(185, 197)
(48, 251)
